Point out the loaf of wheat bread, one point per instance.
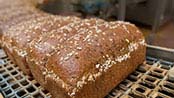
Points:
(82, 65)
(96, 63)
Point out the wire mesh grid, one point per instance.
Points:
(14, 84)
(148, 80)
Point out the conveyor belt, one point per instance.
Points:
(14, 84)
(150, 80)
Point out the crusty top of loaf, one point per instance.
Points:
(11, 13)
(19, 28)
(24, 17)
(46, 45)
(41, 29)
(101, 48)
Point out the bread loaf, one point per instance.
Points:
(69, 56)
(83, 68)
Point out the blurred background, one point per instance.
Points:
(154, 17)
